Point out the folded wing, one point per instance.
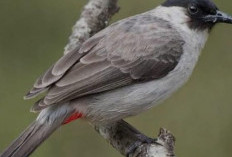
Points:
(140, 48)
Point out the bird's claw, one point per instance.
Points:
(141, 139)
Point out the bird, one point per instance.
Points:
(127, 68)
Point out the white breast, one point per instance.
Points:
(134, 99)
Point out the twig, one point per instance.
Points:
(94, 17)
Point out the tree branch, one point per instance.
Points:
(122, 136)
(94, 17)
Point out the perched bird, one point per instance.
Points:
(125, 69)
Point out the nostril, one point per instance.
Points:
(219, 14)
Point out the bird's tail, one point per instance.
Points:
(47, 122)
(29, 140)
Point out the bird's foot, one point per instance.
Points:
(141, 139)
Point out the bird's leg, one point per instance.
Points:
(141, 139)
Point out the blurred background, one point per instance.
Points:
(32, 37)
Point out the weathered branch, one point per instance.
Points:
(94, 17)
(122, 136)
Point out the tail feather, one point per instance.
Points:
(29, 140)
(47, 122)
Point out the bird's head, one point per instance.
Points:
(203, 14)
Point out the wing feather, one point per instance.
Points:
(140, 48)
(59, 69)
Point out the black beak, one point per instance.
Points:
(219, 17)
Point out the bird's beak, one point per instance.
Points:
(219, 17)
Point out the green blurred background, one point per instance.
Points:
(32, 37)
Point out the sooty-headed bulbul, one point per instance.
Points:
(125, 69)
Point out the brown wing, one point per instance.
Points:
(140, 48)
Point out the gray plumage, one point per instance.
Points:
(151, 49)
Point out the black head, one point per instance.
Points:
(203, 14)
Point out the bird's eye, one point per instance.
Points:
(193, 9)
